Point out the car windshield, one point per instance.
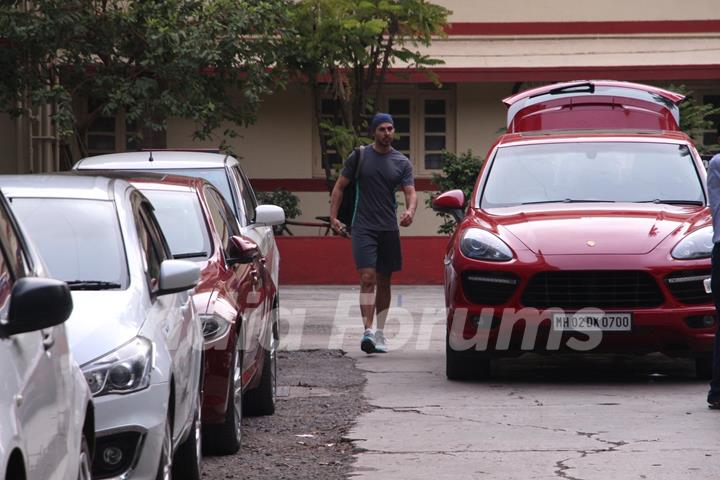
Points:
(182, 221)
(217, 176)
(79, 240)
(593, 172)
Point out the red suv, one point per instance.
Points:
(588, 230)
(236, 299)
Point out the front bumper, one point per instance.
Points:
(509, 326)
(509, 331)
(135, 424)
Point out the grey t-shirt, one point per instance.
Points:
(380, 177)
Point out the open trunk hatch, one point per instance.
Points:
(593, 105)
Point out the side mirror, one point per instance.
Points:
(178, 276)
(451, 202)
(267, 215)
(242, 250)
(37, 303)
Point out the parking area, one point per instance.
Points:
(575, 417)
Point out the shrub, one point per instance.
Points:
(460, 171)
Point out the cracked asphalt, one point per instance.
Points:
(570, 417)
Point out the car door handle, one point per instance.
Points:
(48, 340)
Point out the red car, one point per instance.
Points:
(588, 230)
(235, 298)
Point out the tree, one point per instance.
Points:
(695, 118)
(344, 49)
(205, 60)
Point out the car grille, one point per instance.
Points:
(688, 287)
(489, 288)
(592, 289)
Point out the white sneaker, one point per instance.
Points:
(367, 344)
(380, 345)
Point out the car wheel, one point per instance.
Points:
(225, 439)
(465, 365)
(704, 367)
(187, 463)
(85, 461)
(261, 400)
(166, 454)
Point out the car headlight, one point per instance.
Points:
(213, 326)
(698, 244)
(124, 370)
(481, 245)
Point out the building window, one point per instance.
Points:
(110, 134)
(424, 125)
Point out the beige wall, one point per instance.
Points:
(480, 115)
(279, 145)
(580, 10)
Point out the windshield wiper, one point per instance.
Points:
(190, 255)
(568, 200)
(92, 285)
(674, 202)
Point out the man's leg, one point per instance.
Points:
(368, 281)
(714, 393)
(382, 298)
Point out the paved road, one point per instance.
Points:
(539, 417)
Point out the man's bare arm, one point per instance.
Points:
(410, 205)
(335, 201)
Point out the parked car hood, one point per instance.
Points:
(102, 321)
(602, 229)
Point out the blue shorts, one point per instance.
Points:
(378, 249)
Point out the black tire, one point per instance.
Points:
(166, 454)
(261, 400)
(226, 438)
(465, 365)
(85, 460)
(704, 367)
(187, 460)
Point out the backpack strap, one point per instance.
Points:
(360, 153)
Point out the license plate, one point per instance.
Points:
(605, 322)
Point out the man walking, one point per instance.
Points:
(375, 235)
(713, 183)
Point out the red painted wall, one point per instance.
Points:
(328, 261)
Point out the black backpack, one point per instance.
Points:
(351, 194)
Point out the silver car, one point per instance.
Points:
(223, 171)
(134, 330)
(46, 411)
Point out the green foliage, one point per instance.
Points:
(343, 48)
(694, 117)
(460, 171)
(283, 198)
(205, 60)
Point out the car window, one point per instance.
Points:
(223, 228)
(592, 171)
(226, 211)
(216, 176)
(6, 274)
(247, 194)
(79, 239)
(151, 244)
(13, 244)
(182, 222)
(150, 249)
